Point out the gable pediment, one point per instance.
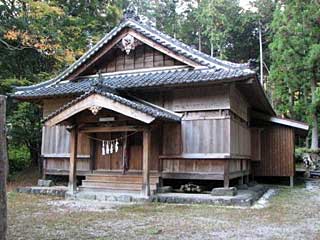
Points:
(122, 57)
(129, 50)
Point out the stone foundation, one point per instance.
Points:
(243, 198)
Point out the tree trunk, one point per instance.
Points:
(314, 136)
(3, 170)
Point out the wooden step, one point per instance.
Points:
(153, 188)
(120, 178)
(115, 185)
(138, 181)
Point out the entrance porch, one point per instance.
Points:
(124, 137)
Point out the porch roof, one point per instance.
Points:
(109, 99)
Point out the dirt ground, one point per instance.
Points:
(292, 214)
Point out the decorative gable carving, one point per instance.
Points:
(128, 43)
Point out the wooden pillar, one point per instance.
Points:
(146, 162)
(44, 167)
(93, 149)
(3, 170)
(242, 175)
(73, 160)
(226, 174)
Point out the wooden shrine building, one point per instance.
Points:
(141, 107)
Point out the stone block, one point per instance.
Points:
(165, 189)
(88, 196)
(24, 190)
(111, 198)
(45, 183)
(242, 187)
(125, 198)
(252, 183)
(232, 191)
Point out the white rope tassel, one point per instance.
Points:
(107, 148)
(103, 148)
(116, 147)
(111, 147)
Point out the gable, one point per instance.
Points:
(142, 57)
(98, 59)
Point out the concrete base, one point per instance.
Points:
(109, 196)
(44, 183)
(59, 191)
(243, 198)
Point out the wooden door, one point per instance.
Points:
(114, 161)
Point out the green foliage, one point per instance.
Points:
(37, 40)
(19, 158)
(295, 55)
(25, 128)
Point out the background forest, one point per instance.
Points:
(40, 38)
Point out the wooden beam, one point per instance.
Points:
(193, 175)
(3, 170)
(197, 156)
(63, 155)
(111, 129)
(96, 100)
(73, 160)
(146, 162)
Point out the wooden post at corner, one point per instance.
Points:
(146, 162)
(73, 160)
(3, 170)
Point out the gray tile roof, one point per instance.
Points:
(150, 32)
(130, 81)
(144, 107)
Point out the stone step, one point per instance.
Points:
(107, 190)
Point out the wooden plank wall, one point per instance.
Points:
(172, 142)
(277, 152)
(240, 138)
(255, 144)
(56, 143)
(193, 165)
(51, 105)
(197, 99)
(61, 165)
(238, 103)
(142, 57)
(206, 136)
